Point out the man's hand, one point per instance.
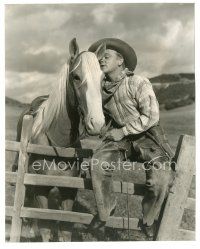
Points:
(114, 135)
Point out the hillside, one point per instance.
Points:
(175, 95)
(172, 91)
(14, 102)
(173, 78)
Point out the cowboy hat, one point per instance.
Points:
(119, 46)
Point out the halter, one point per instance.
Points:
(76, 59)
(78, 105)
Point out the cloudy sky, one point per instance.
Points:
(37, 39)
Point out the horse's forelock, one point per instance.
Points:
(90, 67)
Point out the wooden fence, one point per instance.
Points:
(176, 203)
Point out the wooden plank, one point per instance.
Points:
(50, 150)
(27, 233)
(12, 146)
(122, 223)
(20, 188)
(29, 179)
(128, 187)
(175, 204)
(74, 182)
(131, 188)
(58, 215)
(59, 181)
(186, 235)
(83, 218)
(190, 203)
(77, 182)
(59, 151)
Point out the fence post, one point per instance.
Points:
(176, 200)
(20, 187)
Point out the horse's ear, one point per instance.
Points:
(73, 48)
(100, 51)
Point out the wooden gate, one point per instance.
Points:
(173, 211)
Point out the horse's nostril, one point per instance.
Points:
(94, 125)
(92, 122)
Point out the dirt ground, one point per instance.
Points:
(175, 122)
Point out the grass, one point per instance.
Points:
(175, 122)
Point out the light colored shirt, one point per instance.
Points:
(133, 106)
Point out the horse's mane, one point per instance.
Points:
(90, 64)
(54, 106)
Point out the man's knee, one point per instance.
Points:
(102, 163)
(106, 158)
(158, 180)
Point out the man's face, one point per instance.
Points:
(110, 61)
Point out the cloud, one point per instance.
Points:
(27, 86)
(181, 55)
(45, 62)
(37, 38)
(167, 40)
(29, 46)
(104, 14)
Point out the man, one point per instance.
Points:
(133, 130)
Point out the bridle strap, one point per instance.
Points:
(78, 105)
(52, 143)
(73, 62)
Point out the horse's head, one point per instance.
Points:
(86, 76)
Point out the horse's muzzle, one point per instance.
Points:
(94, 126)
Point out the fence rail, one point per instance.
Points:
(185, 171)
(75, 217)
(178, 197)
(74, 182)
(50, 150)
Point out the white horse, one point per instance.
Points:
(75, 97)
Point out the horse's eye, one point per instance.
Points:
(76, 77)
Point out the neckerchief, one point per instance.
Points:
(109, 87)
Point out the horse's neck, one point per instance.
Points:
(61, 125)
(59, 132)
(65, 130)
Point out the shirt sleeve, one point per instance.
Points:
(148, 108)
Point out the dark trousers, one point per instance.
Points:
(159, 176)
